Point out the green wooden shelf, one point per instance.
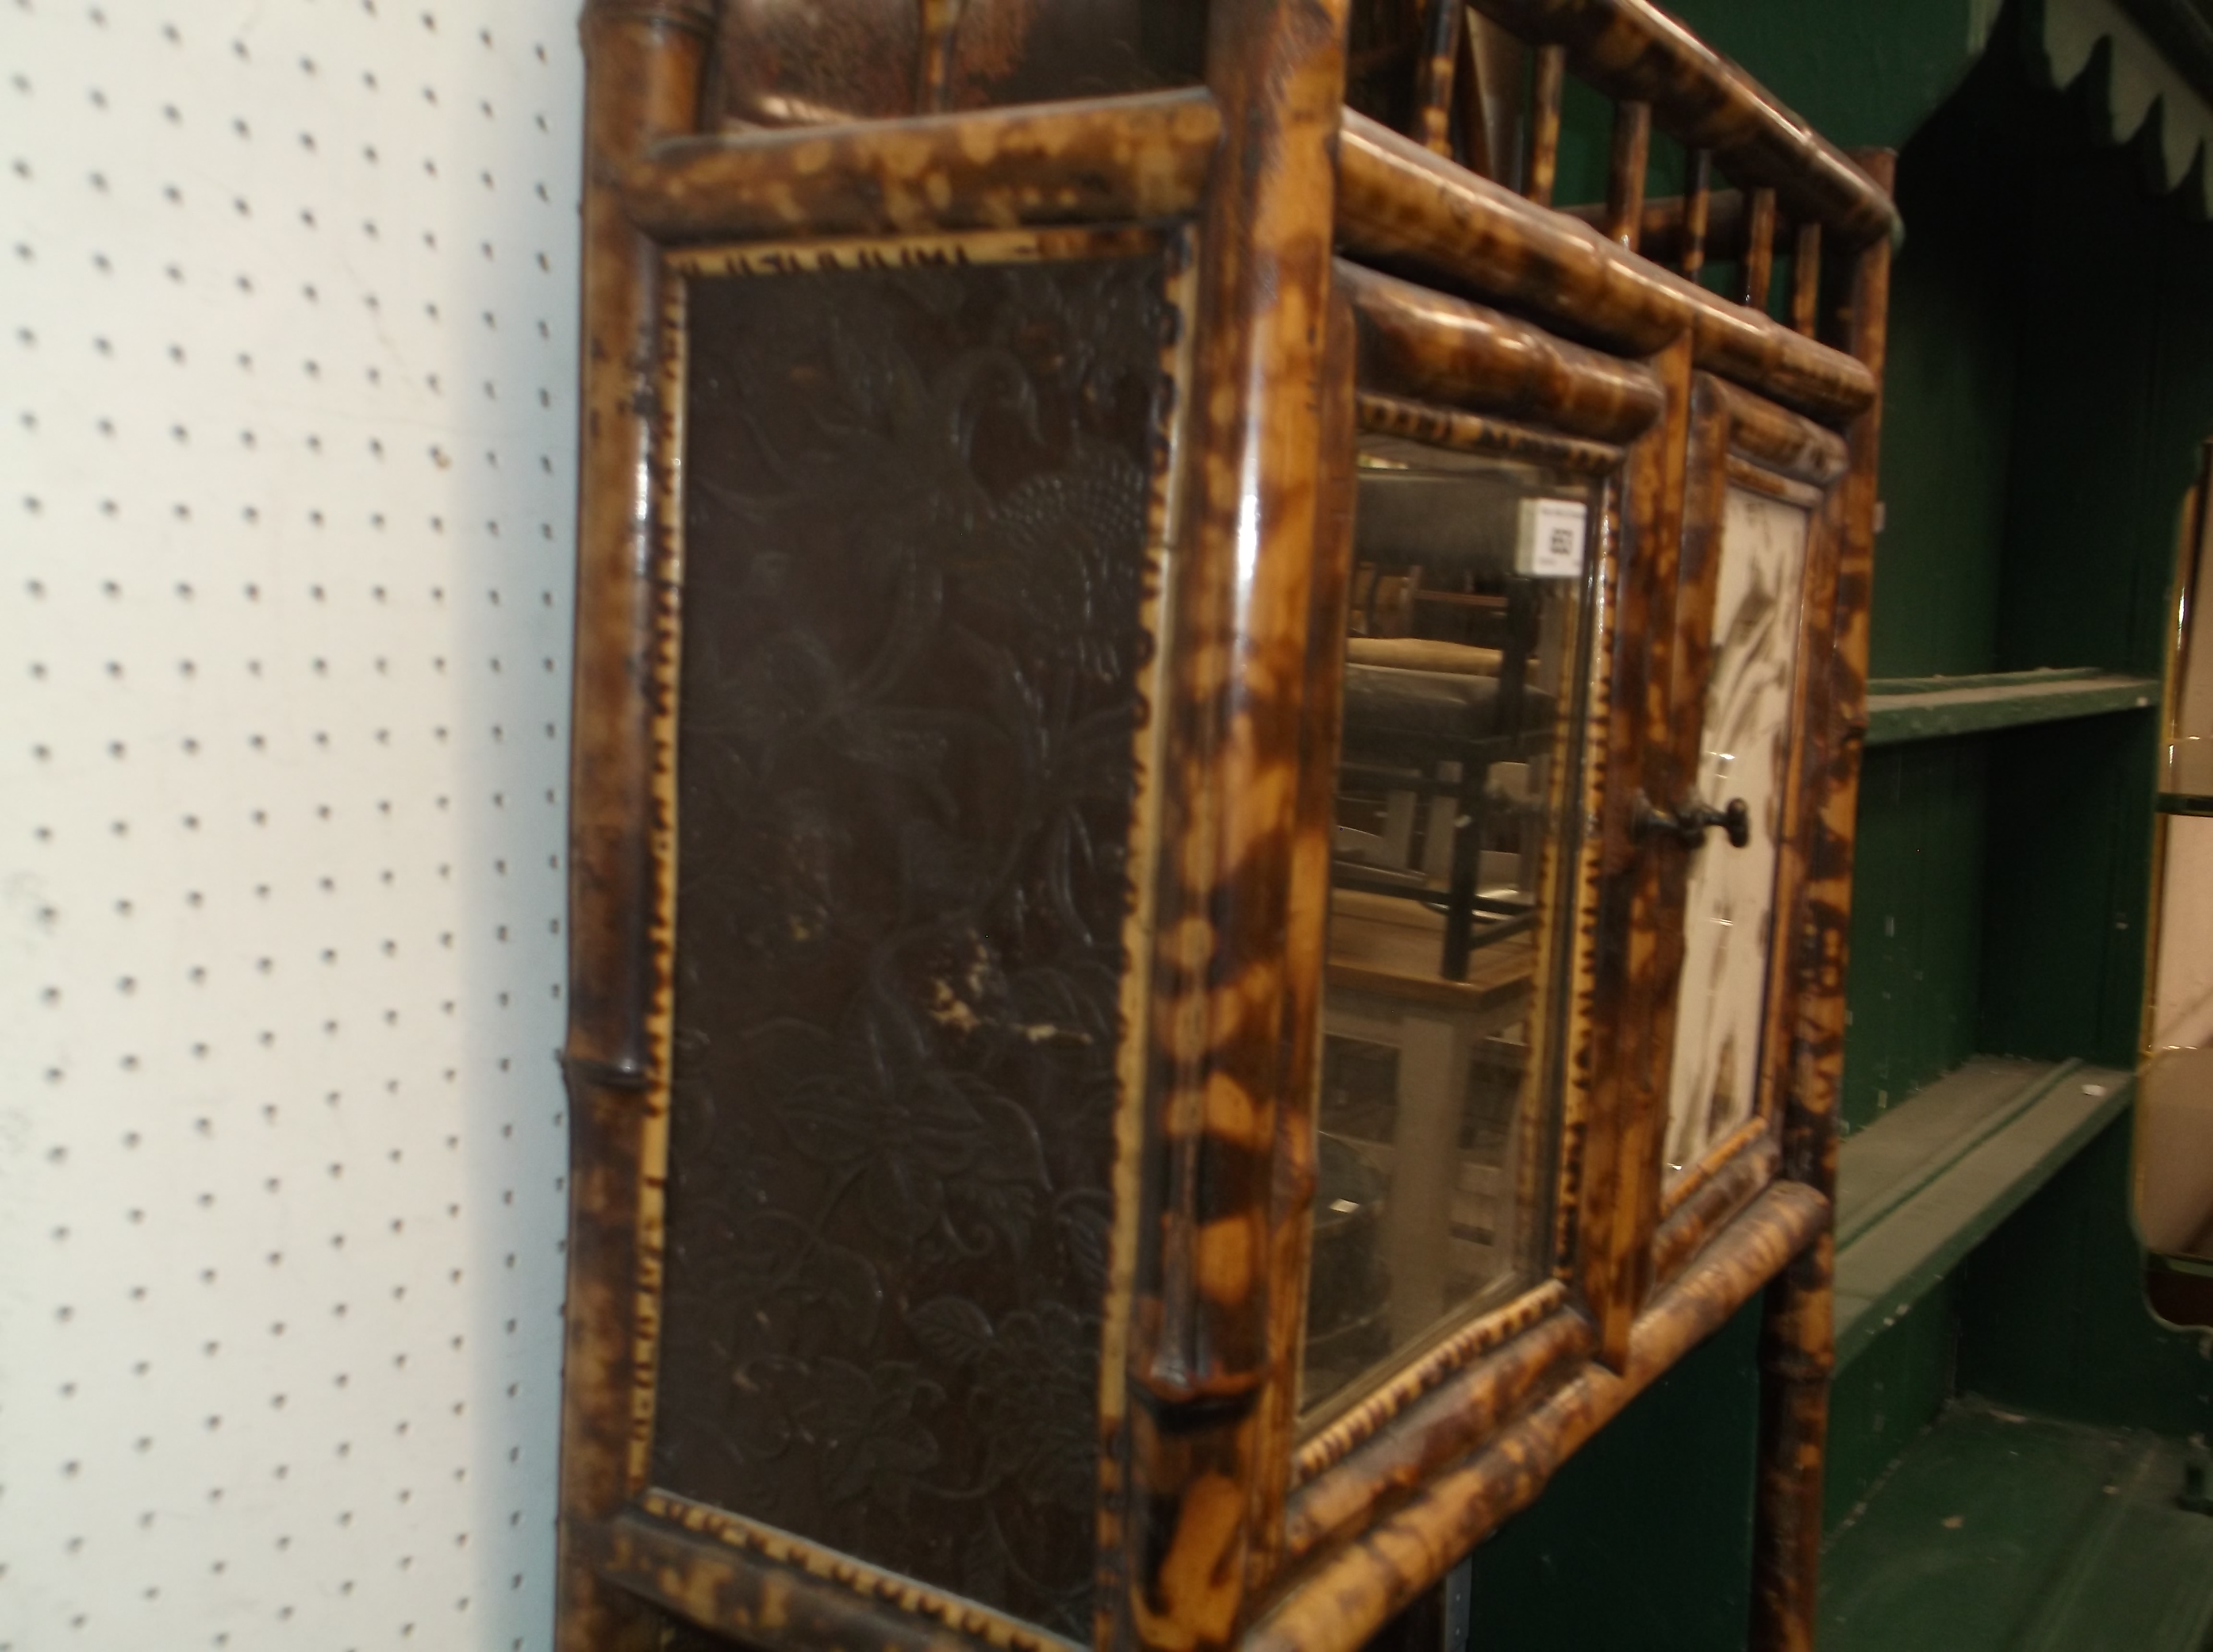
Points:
(1900, 709)
(1924, 1185)
(1998, 1532)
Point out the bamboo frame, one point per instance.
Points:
(1740, 441)
(1221, 1522)
(1798, 1342)
(1357, 1590)
(644, 1545)
(1428, 347)
(1097, 162)
(1408, 211)
(645, 72)
(1632, 50)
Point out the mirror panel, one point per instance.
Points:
(1464, 704)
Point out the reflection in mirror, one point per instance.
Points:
(1729, 908)
(1464, 684)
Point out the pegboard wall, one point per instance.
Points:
(287, 314)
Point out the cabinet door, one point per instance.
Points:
(1758, 554)
(1465, 717)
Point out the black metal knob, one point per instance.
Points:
(1689, 824)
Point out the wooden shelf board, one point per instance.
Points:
(1920, 1189)
(1881, 1167)
(1392, 948)
(1932, 708)
(2001, 1533)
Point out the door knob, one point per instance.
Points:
(1688, 825)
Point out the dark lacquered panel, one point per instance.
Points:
(916, 547)
(799, 61)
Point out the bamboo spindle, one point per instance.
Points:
(1698, 212)
(1624, 183)
(1806, 279)
(1432, 92)
(1760, 250)
(1544, 122)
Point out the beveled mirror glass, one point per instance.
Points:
(1465, 701)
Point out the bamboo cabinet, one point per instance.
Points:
(1213, 767)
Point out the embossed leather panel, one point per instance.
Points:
(915, 554)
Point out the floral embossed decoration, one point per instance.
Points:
(915, 560)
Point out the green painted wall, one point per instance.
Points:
(2052, 1317)
(2068, 887)
(1950, 402)
(1642, 1541)
(2051, 377)
(1916, 921)
(2113, 396)
(1865, 73)
(1950, 390)
(1880, 1404)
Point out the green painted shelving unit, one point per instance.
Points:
(1933, 708)
(1921, 1188)
(1999, 1532)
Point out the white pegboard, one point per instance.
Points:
(287, 350)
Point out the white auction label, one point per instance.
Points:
(1550, 543)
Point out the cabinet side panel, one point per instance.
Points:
(915, 577)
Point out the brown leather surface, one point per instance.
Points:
(915, 544)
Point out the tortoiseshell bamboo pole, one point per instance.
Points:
(1427, 345)
(1625, 183)
(1697, 209)
(1242, 606)
(1364, 1466)
(1619, 1035)
(1797, 1350)
(1352, 1591)
(1090, 161)
(642, 60)
(1305, 941)
(1632, 49)
(1696, 1217)
(1760, 250)
(1662, 237)
(1403, 206)
(1433, 87)
(1550, 81)
(1806, 279)
(1796, 1357)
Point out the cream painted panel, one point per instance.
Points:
(1728, 910)
(2182, 990)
